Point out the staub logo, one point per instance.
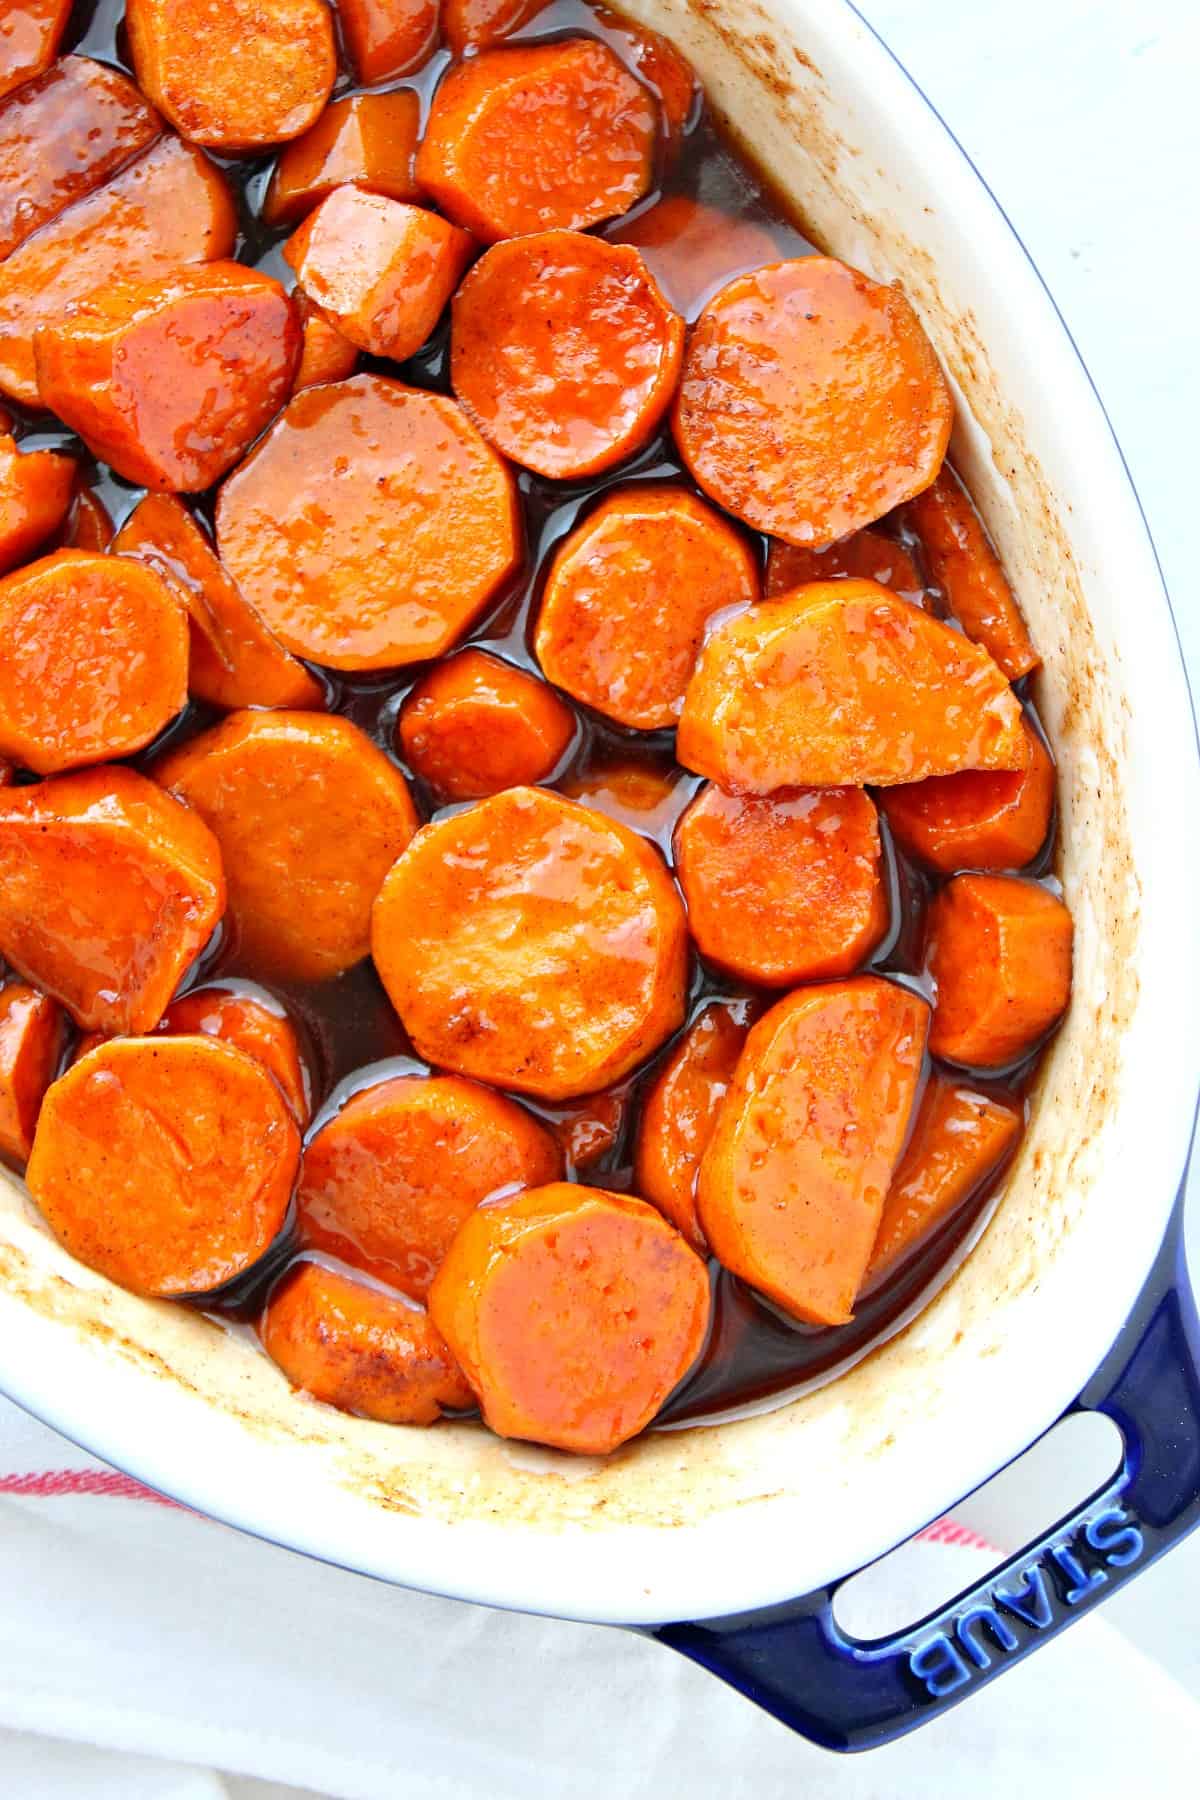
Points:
(1034, 1598)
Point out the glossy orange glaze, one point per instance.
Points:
(564, 352)
(29, 34)
(628, 597)
(793, 1181)
(475, 24)
(89, 525)
(326, 355)
(369, 139)
(692, 249)
(966, 568)
(865, 555)
(533, 943)
(573, 1313)
(785, 887)
(811, 400)
(538, 138)
(236, 75)
(840, 684)
(35, 494)
(590, 1128)
(976, 821)
(370, 525)
(168, 207)
(309, 816)
(61, 136)
(108, 891)
(165, 1163)
(93, 660)
(234, 660)
(31, 1035)
(360, 1349)
(259, 1026)
(388, 1180)
(958, 1139)
(382, 271)
(168, 381)
(475, 725)
(647, 799)
(999, 951)
(387, 37)
(679, 1114)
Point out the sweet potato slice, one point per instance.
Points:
(573, 1313)
(35, 494)
(840, 684)
(31, 1036)
(108, 890)
(785, 887)
(310, 816)
(999, 951)
(29, 36)
(93, 660)
(693, 249)
(388, 1180)
(976, 821)
(811, 401)
(61, 136)
(381, 270)
(235, 661)
(326, 355)
(367, 139)
(169, 380)
(371, 525)
(475, 725)
(89, 524)
(793, 1181)
(538, 138)
(665, 70)
(564, 352)
(357, 1348)
(590, 1128)
(477, 24)
(532, 943)
(167, 208)
(388, 37)
(647, 799)
(679, 1115)
(865, 555)
(958, 1140)
(255, 1023)
(165, 1163)
(629, 595)
(967, 569)
(239, 75)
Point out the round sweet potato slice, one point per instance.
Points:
(999, 950)
(976, 820)
(253, 1022)
(475, 725)
(31, 1038)
(35, 494)
(864, 556)
(369, 139)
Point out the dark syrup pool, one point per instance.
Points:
(347, 1025)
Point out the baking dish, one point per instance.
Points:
(1074, 1296)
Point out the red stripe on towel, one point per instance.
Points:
(48, 1484)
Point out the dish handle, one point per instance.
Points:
(853, 1694)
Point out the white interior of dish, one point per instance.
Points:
(700, 1522)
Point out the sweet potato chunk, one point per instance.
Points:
(563, 352)
(93, 660)
(648, 800)
(61, 136)
(165, 1163)
(388, 1180)
(538, 138)
(958, 1140)
(968, 571)
(371, 525)
(31, 1035)
(236, 75)
(476, 24)
(840, 684)
(532, 943)
(590, 1128)
(692, 249)
(367, 139)
(628, 598)
(326, 355)
(89, 525)
(35, 494)
(108, 890)
(573, 1313)
(793, 1181)
(664, 69)
(167, 208)
(235, 661)
(388, 37)
(679, 1115)
(169, 380)
(310, 816)
(865, 555)
(976, 821)
(475, 725)
(357, 1348)
(782, 888)
(255, 1023)
(811, 401)
(999, 951)
(29, 36)
(381, 270)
